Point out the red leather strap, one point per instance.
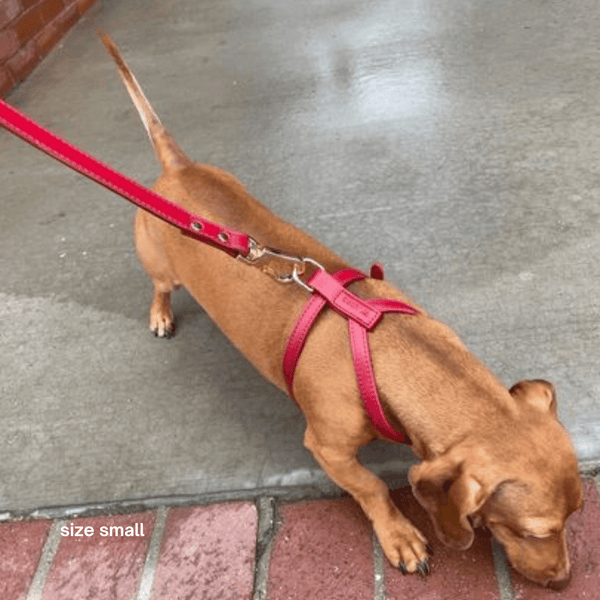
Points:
(363, 367)
(377, 271)
(226, 239)
(361, 318)
(349, 305)
(389, 305)
(310, 312)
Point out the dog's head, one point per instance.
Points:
(522, 484)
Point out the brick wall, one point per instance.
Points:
(29, 29)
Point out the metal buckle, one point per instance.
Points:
(258, 252)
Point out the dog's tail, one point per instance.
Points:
(166, 149)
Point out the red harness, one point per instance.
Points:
(363, 316)
(326, 289)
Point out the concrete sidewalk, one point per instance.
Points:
(266, 550)
(458, 144)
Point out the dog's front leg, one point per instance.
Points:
(403, 544)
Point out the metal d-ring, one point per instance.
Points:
(296, 274)
(296, 279)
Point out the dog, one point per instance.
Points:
(490, 456)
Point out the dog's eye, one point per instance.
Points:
(540, 537)
(513, 531)
(532, 537)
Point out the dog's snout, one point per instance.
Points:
(560, 584)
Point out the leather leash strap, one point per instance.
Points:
(228, 240)
(362, 315)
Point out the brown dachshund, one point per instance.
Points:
(490, 456)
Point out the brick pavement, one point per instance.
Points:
(248, 551)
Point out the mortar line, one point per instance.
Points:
(502, 570)
(36, 588)
(266, 529)
(378, 569)
(153, 555)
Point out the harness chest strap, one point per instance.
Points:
(362, 315)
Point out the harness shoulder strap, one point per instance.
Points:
(362, 316)
(299, 333)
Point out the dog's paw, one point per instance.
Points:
(406, 548)
(162, 325)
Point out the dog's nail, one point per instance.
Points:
(402, 568)
(423, 568)
(430, 549)
(170, 331)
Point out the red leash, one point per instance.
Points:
(362, 315)
(228, 240)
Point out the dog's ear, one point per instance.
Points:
(537, 393)
(450, 494)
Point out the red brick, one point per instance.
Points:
(54, 31)
(50, 9)
(27, 25)
(24, 61)
(9, 9)
(102, 568)
(6, 81)
(322, 550)
(84, 5)
(207, 552)
(466, 575)
(9, 44)
(21, 546)
(29, 3)
(48, 38)
(583, 538)
(67, 19)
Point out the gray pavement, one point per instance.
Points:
(458, 143)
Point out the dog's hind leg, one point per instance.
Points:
(162, 322)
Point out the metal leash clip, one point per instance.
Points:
(258, 252)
